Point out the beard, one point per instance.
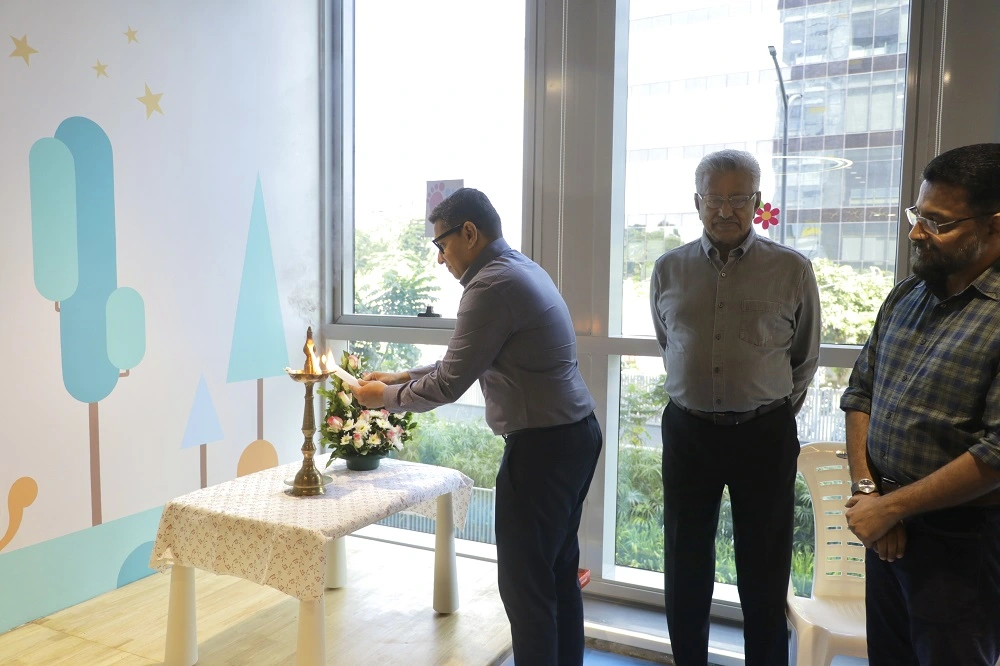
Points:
(935, 266)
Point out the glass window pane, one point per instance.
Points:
(454, 436)
(839, 116)
(639, 513)
(413, 126)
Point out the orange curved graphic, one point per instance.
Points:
(258, 455)
(21, 495)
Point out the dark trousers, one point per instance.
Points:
(757, 461)
(541, 485)
(938, 605)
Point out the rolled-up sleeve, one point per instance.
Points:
(987, 449)
(484, 324)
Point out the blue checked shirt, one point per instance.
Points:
(928, 376)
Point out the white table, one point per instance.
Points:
(251, 528)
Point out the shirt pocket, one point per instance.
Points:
(763, 325)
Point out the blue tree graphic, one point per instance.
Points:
(102, 326)
(258, 348)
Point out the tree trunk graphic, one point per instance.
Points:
(95, 464)
(260, 408)
(204, 465)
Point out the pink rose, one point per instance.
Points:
(353, 362)
(335, 423)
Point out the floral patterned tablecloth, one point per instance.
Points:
(251, 528)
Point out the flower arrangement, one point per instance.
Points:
(350, 430)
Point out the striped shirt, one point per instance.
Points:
(739, 335)
(928, 376)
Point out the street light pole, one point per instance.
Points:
(784, 141)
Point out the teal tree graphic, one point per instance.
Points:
(258, 348)
(202, 427)
(102, 326)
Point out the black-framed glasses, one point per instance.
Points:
(437, 241)
(930, 225)
(735, 202)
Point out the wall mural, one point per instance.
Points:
(203, 427)
(102, 326)
(258, 348)
(22, 494)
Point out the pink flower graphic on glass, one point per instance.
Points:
(766, 216)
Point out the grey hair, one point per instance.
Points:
(727, 160)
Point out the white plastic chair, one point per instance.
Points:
(832, 621)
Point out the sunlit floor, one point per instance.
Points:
(596, 658)
(382, 617)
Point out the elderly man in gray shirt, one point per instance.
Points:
(515, 336)
(737, 319)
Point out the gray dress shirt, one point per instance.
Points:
(739, 335)
(515, 335)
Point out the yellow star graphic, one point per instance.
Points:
(151, 101)
(21, 49)
(131, 34)
(102, 70)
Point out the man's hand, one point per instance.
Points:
(893, 544)
(387, 377)
(370, 393)
(870, 517)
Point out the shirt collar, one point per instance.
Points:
(738, 251)
(988, 283)
(488, 254)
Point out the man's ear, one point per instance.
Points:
(697, 204)
(471, 232)
(994, 224)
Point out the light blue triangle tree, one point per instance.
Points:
(203, 426)
(258, 350)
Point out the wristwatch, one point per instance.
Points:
(865, 486)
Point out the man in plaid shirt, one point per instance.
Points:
(923, 429)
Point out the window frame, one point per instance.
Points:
(570, 226)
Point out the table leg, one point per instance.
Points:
(311, 649)
(182, 634)
(336, 563)
(445, 568)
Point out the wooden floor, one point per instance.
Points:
(382, 617)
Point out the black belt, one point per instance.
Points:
(731, 418)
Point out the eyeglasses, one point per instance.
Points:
(931, 226)
(437, 241)
(735, 202)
